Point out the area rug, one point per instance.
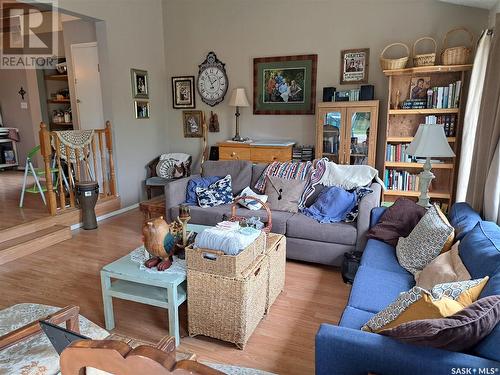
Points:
(36, 356)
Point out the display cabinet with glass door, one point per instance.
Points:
(346, 132)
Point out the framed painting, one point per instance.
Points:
(140, 84)
(192, 124)
(183, 92)
(354, 66)
(141, 108)
(284, 85)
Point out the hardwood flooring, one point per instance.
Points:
(11, 183)
(68, 273)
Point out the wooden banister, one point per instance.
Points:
(80, 169)
(46, 151)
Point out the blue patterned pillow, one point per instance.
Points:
(361, 192)
(219, 193)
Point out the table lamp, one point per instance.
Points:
(238, 99)
(429, 142)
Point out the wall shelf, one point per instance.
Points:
(424, 111)
(429, 69)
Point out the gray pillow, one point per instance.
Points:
(283, 194)
(458, 332)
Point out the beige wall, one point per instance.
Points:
(493, 14)
(239, 30)
(133, 39)
(13, 116)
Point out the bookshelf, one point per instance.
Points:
(402, 125)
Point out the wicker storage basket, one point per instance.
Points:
(456, 55)
(391, 64)
(265, 206)
(218, 263)
(425, 59)
(227, 308)
(276, 252)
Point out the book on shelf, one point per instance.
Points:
(439, 97)
(448, 121)
(397, 153)
(400, 180)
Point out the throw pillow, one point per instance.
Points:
(458, 332)
(284, 194)
(431, 236)
(173, 165)
(397, 221)
(195, 182)
(219, 193)
(447, 267)
(418, 303)
(251, 204)
(332, 205)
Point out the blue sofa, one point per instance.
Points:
(345, 349)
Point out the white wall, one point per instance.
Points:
(493, 13)
(134, 39)
(239, 30)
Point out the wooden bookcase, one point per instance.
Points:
(402, 125)
(346, 132)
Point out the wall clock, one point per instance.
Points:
(212, 80)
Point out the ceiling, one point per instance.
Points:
(485, 4)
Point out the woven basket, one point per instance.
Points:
(269, 223)
(456, 55)
(276, 252)
(227, 308)
(425, 59)
(391, 64)
(218, 263)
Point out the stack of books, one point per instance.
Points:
(398, 153)
(400, 180)
(302, 153)
(414, 104)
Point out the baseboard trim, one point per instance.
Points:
(108, 215)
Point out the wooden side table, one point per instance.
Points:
(154, 207)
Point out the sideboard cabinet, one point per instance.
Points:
(346, 132)
(264, 152)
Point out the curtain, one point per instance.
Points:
(483, 167)
(472, 114)
(492, 190)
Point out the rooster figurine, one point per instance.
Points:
(160, 240)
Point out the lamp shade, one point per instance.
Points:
(239, 98)
(430, 141)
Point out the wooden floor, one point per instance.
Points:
(11, 183)
(68, 273)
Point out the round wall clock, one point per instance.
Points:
(212, 80)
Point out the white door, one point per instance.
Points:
(85, 61)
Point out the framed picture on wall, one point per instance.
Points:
(354, 65)
(284, 85)
(183, 92)
(140, 84)
(141, 108)
(191, 121)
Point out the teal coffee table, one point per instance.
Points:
(126, 278)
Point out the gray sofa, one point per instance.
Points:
(307, 240)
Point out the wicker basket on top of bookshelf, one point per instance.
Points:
(417, 95)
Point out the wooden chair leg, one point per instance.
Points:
(148, 191)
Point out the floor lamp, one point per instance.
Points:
(238, 99)
(429, 142)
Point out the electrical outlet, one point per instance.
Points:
(24, 105)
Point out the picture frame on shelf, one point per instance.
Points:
(141, 109)
(192, 124)
(354, 64)
(284, 85)
(140, 83)
(183, 95)
(419, 87)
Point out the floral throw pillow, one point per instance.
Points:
(217, 194)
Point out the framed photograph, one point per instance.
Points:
(183, 92)
(140, 84)
(192, 124)
(141, 108)
(354, 66)
(419, 87)
(284, 85)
